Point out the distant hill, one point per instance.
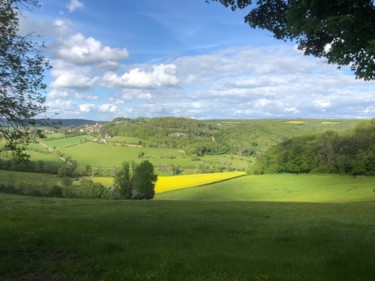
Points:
(218, 137)
(66, 122)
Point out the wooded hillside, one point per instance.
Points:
(352, 152)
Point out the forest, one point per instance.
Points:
(352, 152)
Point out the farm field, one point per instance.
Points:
(61, 239)
(66, 142)
(110, 157)
(168, 183)
(281, 188)
(178, 182)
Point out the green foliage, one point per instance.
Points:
(66, 181)
(22, 69)
(136, 181)
(123, 180)
(350, 153)
(68, 169)
(342, 31)
(143, 181)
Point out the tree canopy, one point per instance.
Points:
(342, 31)
(22, 67)
(136, 181)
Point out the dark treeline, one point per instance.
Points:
(352, 152)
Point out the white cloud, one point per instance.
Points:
(74, 5)
(107, 108)
(291, 110)
(234, 83)
(162, 75)
(87, 107)
(78, 49)
(57, 94)
(136, 94)
(104, 108)
(73, 81)
(115, 101)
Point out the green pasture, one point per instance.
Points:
(51, 136)
(61, 239)
(110, 156)
(281, 188)
(28, 183)
(19, 178)
(48, 158)
(66, 142)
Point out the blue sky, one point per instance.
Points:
(149, 58)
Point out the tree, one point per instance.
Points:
(68, 169)
(123, 180)
(143, 181)
(341, 31)
(22, 67)
(136, 181)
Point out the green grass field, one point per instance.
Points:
(66, 142)
(110, 156)
(60, 239)
(282, 188)
(12, 177)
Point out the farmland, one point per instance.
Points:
(201, 225)
(176, 145)
(282, 188)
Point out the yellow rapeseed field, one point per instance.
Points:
(330, 122)
(295, 122)
(177, 182)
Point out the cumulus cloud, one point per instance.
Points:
(90, 107)
(243, 82)
(107, 108)
(143, 94)
(81, 50)
(74, 5)
(73, 81)
(86, 107)
(58, 94)
(162, 75)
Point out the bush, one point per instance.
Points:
(56, 191)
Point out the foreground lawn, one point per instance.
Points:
(282, 188)
(60, 239)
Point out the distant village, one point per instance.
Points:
(85, 129)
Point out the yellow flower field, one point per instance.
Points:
(177, 182)
(330, 122)
(295, 122)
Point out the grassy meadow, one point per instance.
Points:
(110, 156)
(61, 239)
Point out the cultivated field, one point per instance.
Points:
(165, 184)
(282, 188)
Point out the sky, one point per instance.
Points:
(149, 58)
